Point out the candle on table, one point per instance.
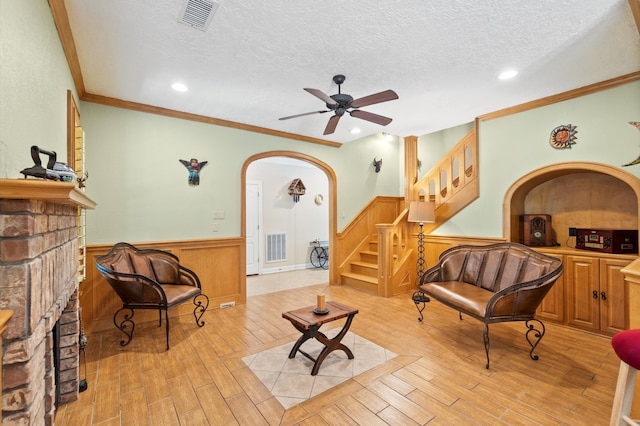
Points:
(321, 306)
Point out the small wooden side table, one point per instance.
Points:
(308, 323)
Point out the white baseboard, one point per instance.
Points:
(287, 268)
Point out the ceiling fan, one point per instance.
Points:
(341, 103)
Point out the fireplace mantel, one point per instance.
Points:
(36, 189)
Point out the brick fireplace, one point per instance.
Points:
(39, 283)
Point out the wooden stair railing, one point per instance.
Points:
(453, 182)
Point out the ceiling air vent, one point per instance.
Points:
(198, 13)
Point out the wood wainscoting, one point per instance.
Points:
(219, 264)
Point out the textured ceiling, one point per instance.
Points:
(442, 57)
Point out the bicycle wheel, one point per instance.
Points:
(318, 257)
(315, 261)
(324, 259)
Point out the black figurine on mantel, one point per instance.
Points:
(194, 168)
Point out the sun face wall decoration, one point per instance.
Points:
(563, 136)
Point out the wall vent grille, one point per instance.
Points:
(198, 13)
(276, 247)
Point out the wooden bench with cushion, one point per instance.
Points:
(149, 279)
(494, 283)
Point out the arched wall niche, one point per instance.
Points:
(575, 194)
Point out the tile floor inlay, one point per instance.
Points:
(290, 380)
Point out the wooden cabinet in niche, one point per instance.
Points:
(595, 294)
(614, 314)
(590, 294)
(552, 306)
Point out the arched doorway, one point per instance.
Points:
(330, 199)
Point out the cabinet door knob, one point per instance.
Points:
(595, 294)
(603, 295)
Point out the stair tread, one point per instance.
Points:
(365, 264)
(361, 277)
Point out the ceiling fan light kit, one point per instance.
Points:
(342, 102)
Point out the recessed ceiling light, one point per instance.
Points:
(179, 87)
(508, 74)
(355, 130)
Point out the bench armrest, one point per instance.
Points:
(188, 277)
(521, 300)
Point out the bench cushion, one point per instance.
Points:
(178, 293)
(460, 295)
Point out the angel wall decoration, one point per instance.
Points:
(194, 168)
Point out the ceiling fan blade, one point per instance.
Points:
(376, 98)
(322, 96)
(301, 115)
(369, 116)
(331, 125)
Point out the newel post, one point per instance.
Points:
(385, 258)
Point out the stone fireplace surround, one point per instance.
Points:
(38, 282)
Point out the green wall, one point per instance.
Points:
(142, 190)
(513, 146)
(34, 79)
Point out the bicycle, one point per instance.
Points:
(319, 254)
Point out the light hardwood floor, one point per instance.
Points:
(438, 377)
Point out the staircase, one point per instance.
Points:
(377, 250)
(362, 272)
(382, 268)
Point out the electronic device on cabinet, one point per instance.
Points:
(618, 241)
(535, 230)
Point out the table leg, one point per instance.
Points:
(306, 335)
(331, 345)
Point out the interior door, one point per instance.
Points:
(253, 213)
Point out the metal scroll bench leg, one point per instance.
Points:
(420, 298)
